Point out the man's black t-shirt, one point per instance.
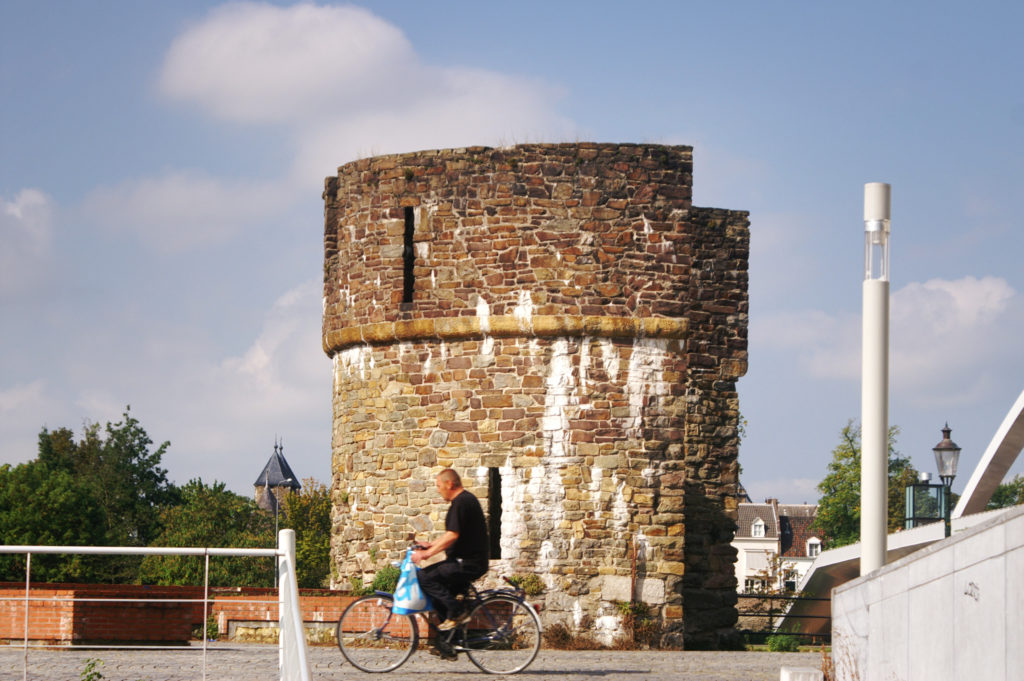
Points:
(466, 518)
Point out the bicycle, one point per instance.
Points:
(501, 636)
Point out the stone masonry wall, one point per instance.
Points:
(561, 326)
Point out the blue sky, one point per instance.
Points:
(161, 166)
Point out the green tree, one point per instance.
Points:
(117, 474)
(308, 512)
(42, 507)
(838, 516)
(212, 516)
(1008, 494)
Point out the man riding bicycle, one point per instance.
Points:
(466, 548)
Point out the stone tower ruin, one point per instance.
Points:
(561, 326)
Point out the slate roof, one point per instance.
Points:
(277, 472)
(748, 513)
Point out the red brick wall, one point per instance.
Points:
(62, 620)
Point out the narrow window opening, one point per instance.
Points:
(408, 256)
(494, 511)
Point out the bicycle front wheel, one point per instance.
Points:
(373, 638)
(502, 635)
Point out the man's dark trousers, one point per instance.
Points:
(443, 581)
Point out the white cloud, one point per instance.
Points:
(943, 333)
(958, 333)
(184, 210)
(26, 235)
(347, 84)
(786, 490)
(280, 385)
(828, 345)
(255, 62)
(466, 108)
(21, 396)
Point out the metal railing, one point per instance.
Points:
(284, 555)
(774, 614)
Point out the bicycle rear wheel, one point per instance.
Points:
(374, 639)
(502, 635)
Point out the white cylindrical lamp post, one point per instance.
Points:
(874, 405)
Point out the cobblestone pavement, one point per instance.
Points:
(231, 662)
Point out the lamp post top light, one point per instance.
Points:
(877, 207)
(947, 456)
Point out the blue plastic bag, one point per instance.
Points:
(409, 597)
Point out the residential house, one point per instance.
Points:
(769, 530)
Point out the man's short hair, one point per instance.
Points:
(448, 475)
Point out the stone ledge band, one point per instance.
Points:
(503, 326)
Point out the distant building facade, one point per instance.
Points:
(772, 529)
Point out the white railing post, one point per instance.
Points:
(292, 655)
(28, 591)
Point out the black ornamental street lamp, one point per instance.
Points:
(928, 503)
(947, 456)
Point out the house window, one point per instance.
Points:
(757, 529)
(790, 580)
(751, 585)
(813, 547)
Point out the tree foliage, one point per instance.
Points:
(838, 516)
(212, 516)
(1008, 494)
(308, 512)
(106, 489)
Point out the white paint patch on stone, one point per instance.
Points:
(609, 358)
(523, 311)
(577, 614)
(558, 397)
(647, 227)
(357, 359)
(584, 364)
(596, 474)
(481, 475)
(513, 522)
(423, 250)
(645, 379)
(433, 279)
(483, 313)
(444, 352)
(606, 628)
(548, 561)
(352, 233)
(347, 298)
(620, 508)
(487, 347)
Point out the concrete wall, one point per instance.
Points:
(954, 610)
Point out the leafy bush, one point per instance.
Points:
(386, 579)
(783, 643)
(357, 586)
(641, 627)
(531, 583)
